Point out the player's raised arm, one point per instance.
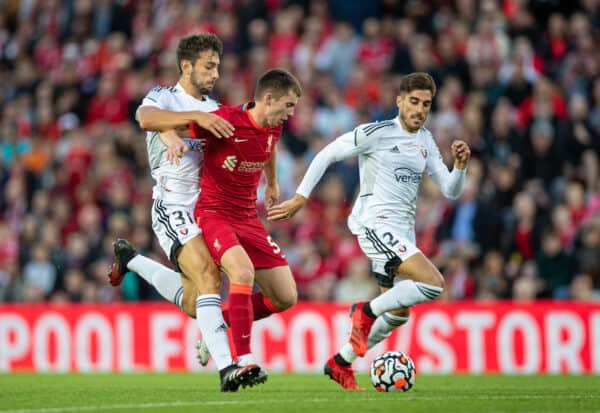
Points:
(450, 183)
(347, 145)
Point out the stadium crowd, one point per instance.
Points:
(518, 80)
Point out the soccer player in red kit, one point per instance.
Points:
(226, 210)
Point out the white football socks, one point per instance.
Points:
(405, 293)
(381, 329)
(246, 359)
(209, 319)
(166, 281)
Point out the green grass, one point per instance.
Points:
(287, 393)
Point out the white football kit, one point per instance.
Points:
(391, 165)
(177, 187)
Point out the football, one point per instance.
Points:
(393, 371)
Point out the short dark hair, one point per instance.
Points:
(417, 81)
(279, 82)
(189, 47)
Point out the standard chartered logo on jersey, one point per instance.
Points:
(230, 162)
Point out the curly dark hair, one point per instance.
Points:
(189, 47)
(417, 81)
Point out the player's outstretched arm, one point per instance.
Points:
(345, 146)
(156, 119)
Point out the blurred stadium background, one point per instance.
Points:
(517, 79)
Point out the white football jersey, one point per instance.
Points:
(391, 165)
(174, 183)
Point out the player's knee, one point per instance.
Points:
(286, 300)
(242, 275)
(435, 279)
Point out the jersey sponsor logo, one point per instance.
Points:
(251, 167)
(407, 176)
(194, 144)
(230, 162)
(424, 151)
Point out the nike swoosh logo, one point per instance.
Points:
(236, 140)
(245, 335)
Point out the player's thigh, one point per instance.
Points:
(237, 265)
(188, 300)
(197, 264)
(419, 268)
(278, 285)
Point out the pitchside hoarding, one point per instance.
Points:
(505, 337)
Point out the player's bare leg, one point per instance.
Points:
(279, 286)
(421, 282)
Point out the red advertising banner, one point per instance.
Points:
(504, 337)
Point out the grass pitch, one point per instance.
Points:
(289, 393)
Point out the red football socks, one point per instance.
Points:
(240, 316)
(262, 307)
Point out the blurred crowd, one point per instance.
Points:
(519, 80)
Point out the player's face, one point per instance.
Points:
(278, 110)
(204, 72)
(413, 109)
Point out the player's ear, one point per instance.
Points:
(268, 98)
(186, 66)
(399, 99)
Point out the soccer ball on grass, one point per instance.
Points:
(393, 371)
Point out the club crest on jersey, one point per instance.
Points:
(402, 249)
(269, 142)
(217, 245)
(424, 152)
(230, 162)
(183, 231)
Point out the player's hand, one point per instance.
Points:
(286, 209)
(271, 195)
(176, 146)
(215, 125)
(461, 154)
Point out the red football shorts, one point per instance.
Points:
(221, 233)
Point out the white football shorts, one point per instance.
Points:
(173, 225)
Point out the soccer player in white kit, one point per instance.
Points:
(392, 155)
(175, 166)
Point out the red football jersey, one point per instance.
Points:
(233, 166)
